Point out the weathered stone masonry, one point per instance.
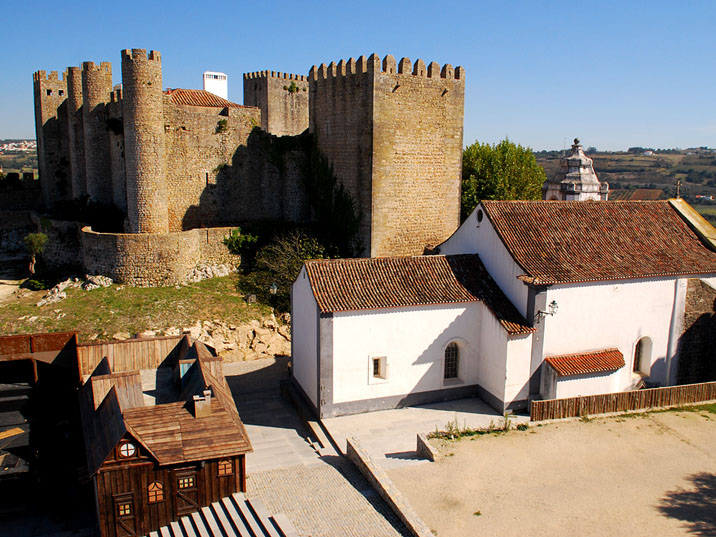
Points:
(176, 160)
(394, 136)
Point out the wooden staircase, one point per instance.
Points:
(232, 516)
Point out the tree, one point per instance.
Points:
(278, 264)
(35, 244)
(499, 172)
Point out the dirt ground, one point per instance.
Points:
(650, 475)
(12, 272)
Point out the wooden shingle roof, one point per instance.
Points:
(192, 97)
(588, 362)
(391, 282)
(573, 241)
(112, 405)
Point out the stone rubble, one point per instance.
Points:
(95, 282)
(253, 340)
(57, 293)
(204, 271)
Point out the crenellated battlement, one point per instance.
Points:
(103, 66)
(116, 96)
(42, 76)
(140, 55)
(275, 74)
(388, 65)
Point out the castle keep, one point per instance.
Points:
(176, 160)
(394, 136)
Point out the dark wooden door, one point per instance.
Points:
(124, 515)
(187, 491)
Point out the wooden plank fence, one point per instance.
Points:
(589, 405)
(128, 355)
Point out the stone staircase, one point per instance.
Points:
(232, 516)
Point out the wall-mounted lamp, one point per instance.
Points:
(552, 309)
(273, 288)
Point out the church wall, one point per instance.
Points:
(413, 340)
(517, 373)
(304, 334)
(474, 237)
(615, 314)
(592, 384)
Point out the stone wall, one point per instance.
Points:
(697, 344)
(234, 174)
(417, 156)
(341, 119)
(63, 245)
(52, 135)
(96, 90)
(143, 115)
(283, 110)
(75, 132)
(14, 225)
(27, 195)
(153, 259)
(393, 133)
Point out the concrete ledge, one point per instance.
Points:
(384, 486)
(424, 449)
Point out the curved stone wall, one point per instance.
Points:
(153, 259)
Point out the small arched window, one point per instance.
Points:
(642, 356)
(452, 361)
(155, 492)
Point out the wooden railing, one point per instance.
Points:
(589, 405)
(128, 355)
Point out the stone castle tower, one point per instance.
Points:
(576, 179)
(96, 91)
(76, 137)
(282, 98)
(144, 141)
(52, 135)
(393, 133)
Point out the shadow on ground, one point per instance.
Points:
(696, 507)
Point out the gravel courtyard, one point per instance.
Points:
(646, 475)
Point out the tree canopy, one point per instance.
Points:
(504, 171)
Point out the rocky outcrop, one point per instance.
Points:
(263, 338)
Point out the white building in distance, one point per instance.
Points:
(216, 83)
(576, 179)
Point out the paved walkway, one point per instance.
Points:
(277, 435)
(326, 499)
(389, 436)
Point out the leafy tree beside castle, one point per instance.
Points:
(504, 171)
(35, 244)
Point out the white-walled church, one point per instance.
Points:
(527, 300)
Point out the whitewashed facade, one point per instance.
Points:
(639, 318)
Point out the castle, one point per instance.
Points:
(184, 165)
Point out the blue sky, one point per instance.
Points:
(615, 74)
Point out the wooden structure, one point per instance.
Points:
(161, 443)
(588, 405)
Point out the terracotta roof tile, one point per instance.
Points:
(587, 362)
(576, 241)
(192, 97)
(390, 282)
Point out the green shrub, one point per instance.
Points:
(222, 126)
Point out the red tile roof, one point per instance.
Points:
(192, 97)
(391, 282)
(587, 362)
(577, 241)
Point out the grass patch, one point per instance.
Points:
(453, 431)
(100, 313)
